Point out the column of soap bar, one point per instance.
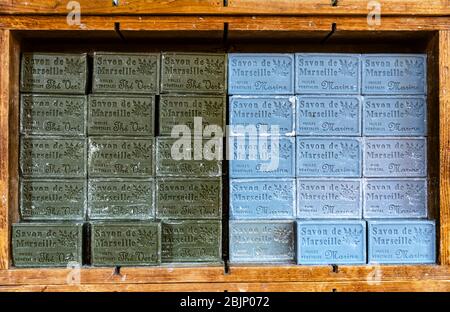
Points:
(192, 105)
(262, 158)
(52, 160)
(395, 162)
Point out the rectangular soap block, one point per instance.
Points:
(191, 241)
(329, 115)
(190, 158)
(262, 242)
(395, 115)
(52, 157)
(328, 157)
(189, 198)
(402, 241)
(52, 199)
(121, 199)
(175, 110)
(329, 199)
(262, 157)
(120, 157)
(125, 243)
(387, 157)
(395, 198)
(54, 73)
(260, 73)
(394, 74)
(132, 73)
(327, 73)
(262, 198)
(47, 244)
(331, 242)
(121, 115)
(193, 73)
(262, 114)
(42, 114)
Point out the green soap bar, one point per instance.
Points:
(42, 114)
(126, 73)
(189, 198)
(120, 157)
(125, 243)
(54, 73)
(52, 199)
(120, 199)
(191, 241)
(53, 157)
(121, 115)
(181, 110)
(47, 244)
(187, 165)
(193, 73)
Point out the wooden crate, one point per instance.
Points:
(223, 29)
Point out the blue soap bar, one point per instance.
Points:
(261, 114)
(405, 157)
(394, 74)
(329, 199)
(262, 198)
(328, 115)
(331, 242)
(402, 241)
(395, 115)
(260, 73)
(328, 157)
(395, 198)
(327, 73)
(262, 241)
(262, 157)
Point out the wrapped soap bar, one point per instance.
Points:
(328, 115)
(132, 73)
(193, 73)
(121, 115)
(189, 198)
(328, 157)
(262, 199)
(43, 114)
(125, 243)
(260, 73)
(263, 114)
(388, 157)
(54, 73)
(262, 241)
(394, 74)
(191, 241)
(331, 242)
(121, 199)
(329, 198)
(327, 73)
(402, 241)
(46, 200)
(52, 157)
(47, 244)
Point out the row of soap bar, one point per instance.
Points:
(308, 198)
(327, 157)
(62, 157)
(116, 243)
(333, 242)
(78, 115)
(329, 115)
(131, 73)
(121, 199)
(326, 73)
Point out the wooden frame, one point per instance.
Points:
(433, 34)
